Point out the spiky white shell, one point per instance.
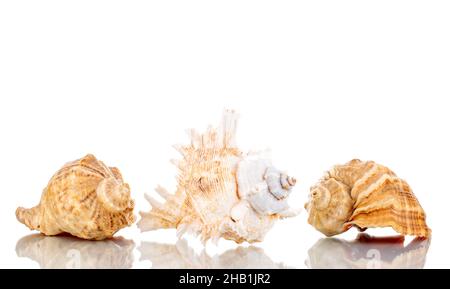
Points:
(221, 191)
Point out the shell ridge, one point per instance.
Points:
(374, 187)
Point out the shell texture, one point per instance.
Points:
(221, 191)
(85, 198)
(365, 195)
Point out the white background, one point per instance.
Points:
(318, 82)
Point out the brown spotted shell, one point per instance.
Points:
(365, 195)
(85, 198)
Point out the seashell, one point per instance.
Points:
(221, 191)
(365, 195)
(181, 256)
(67, 252)
(85, 198)
(368, 252)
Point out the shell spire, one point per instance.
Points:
(221, 192)
(365, 195)
(84, 198)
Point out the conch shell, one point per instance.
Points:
(85, 198)
(221, 192)
(365, 195)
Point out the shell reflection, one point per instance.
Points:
(368, 252)
(181, 256)
(67, 252)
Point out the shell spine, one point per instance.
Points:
(217, 194)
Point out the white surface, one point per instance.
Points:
(319, 82)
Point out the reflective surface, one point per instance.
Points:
(70, 252)
(181, 256)
(368, 252)
(365, 252)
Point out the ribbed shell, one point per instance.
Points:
(365, 194)
(84, 198)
